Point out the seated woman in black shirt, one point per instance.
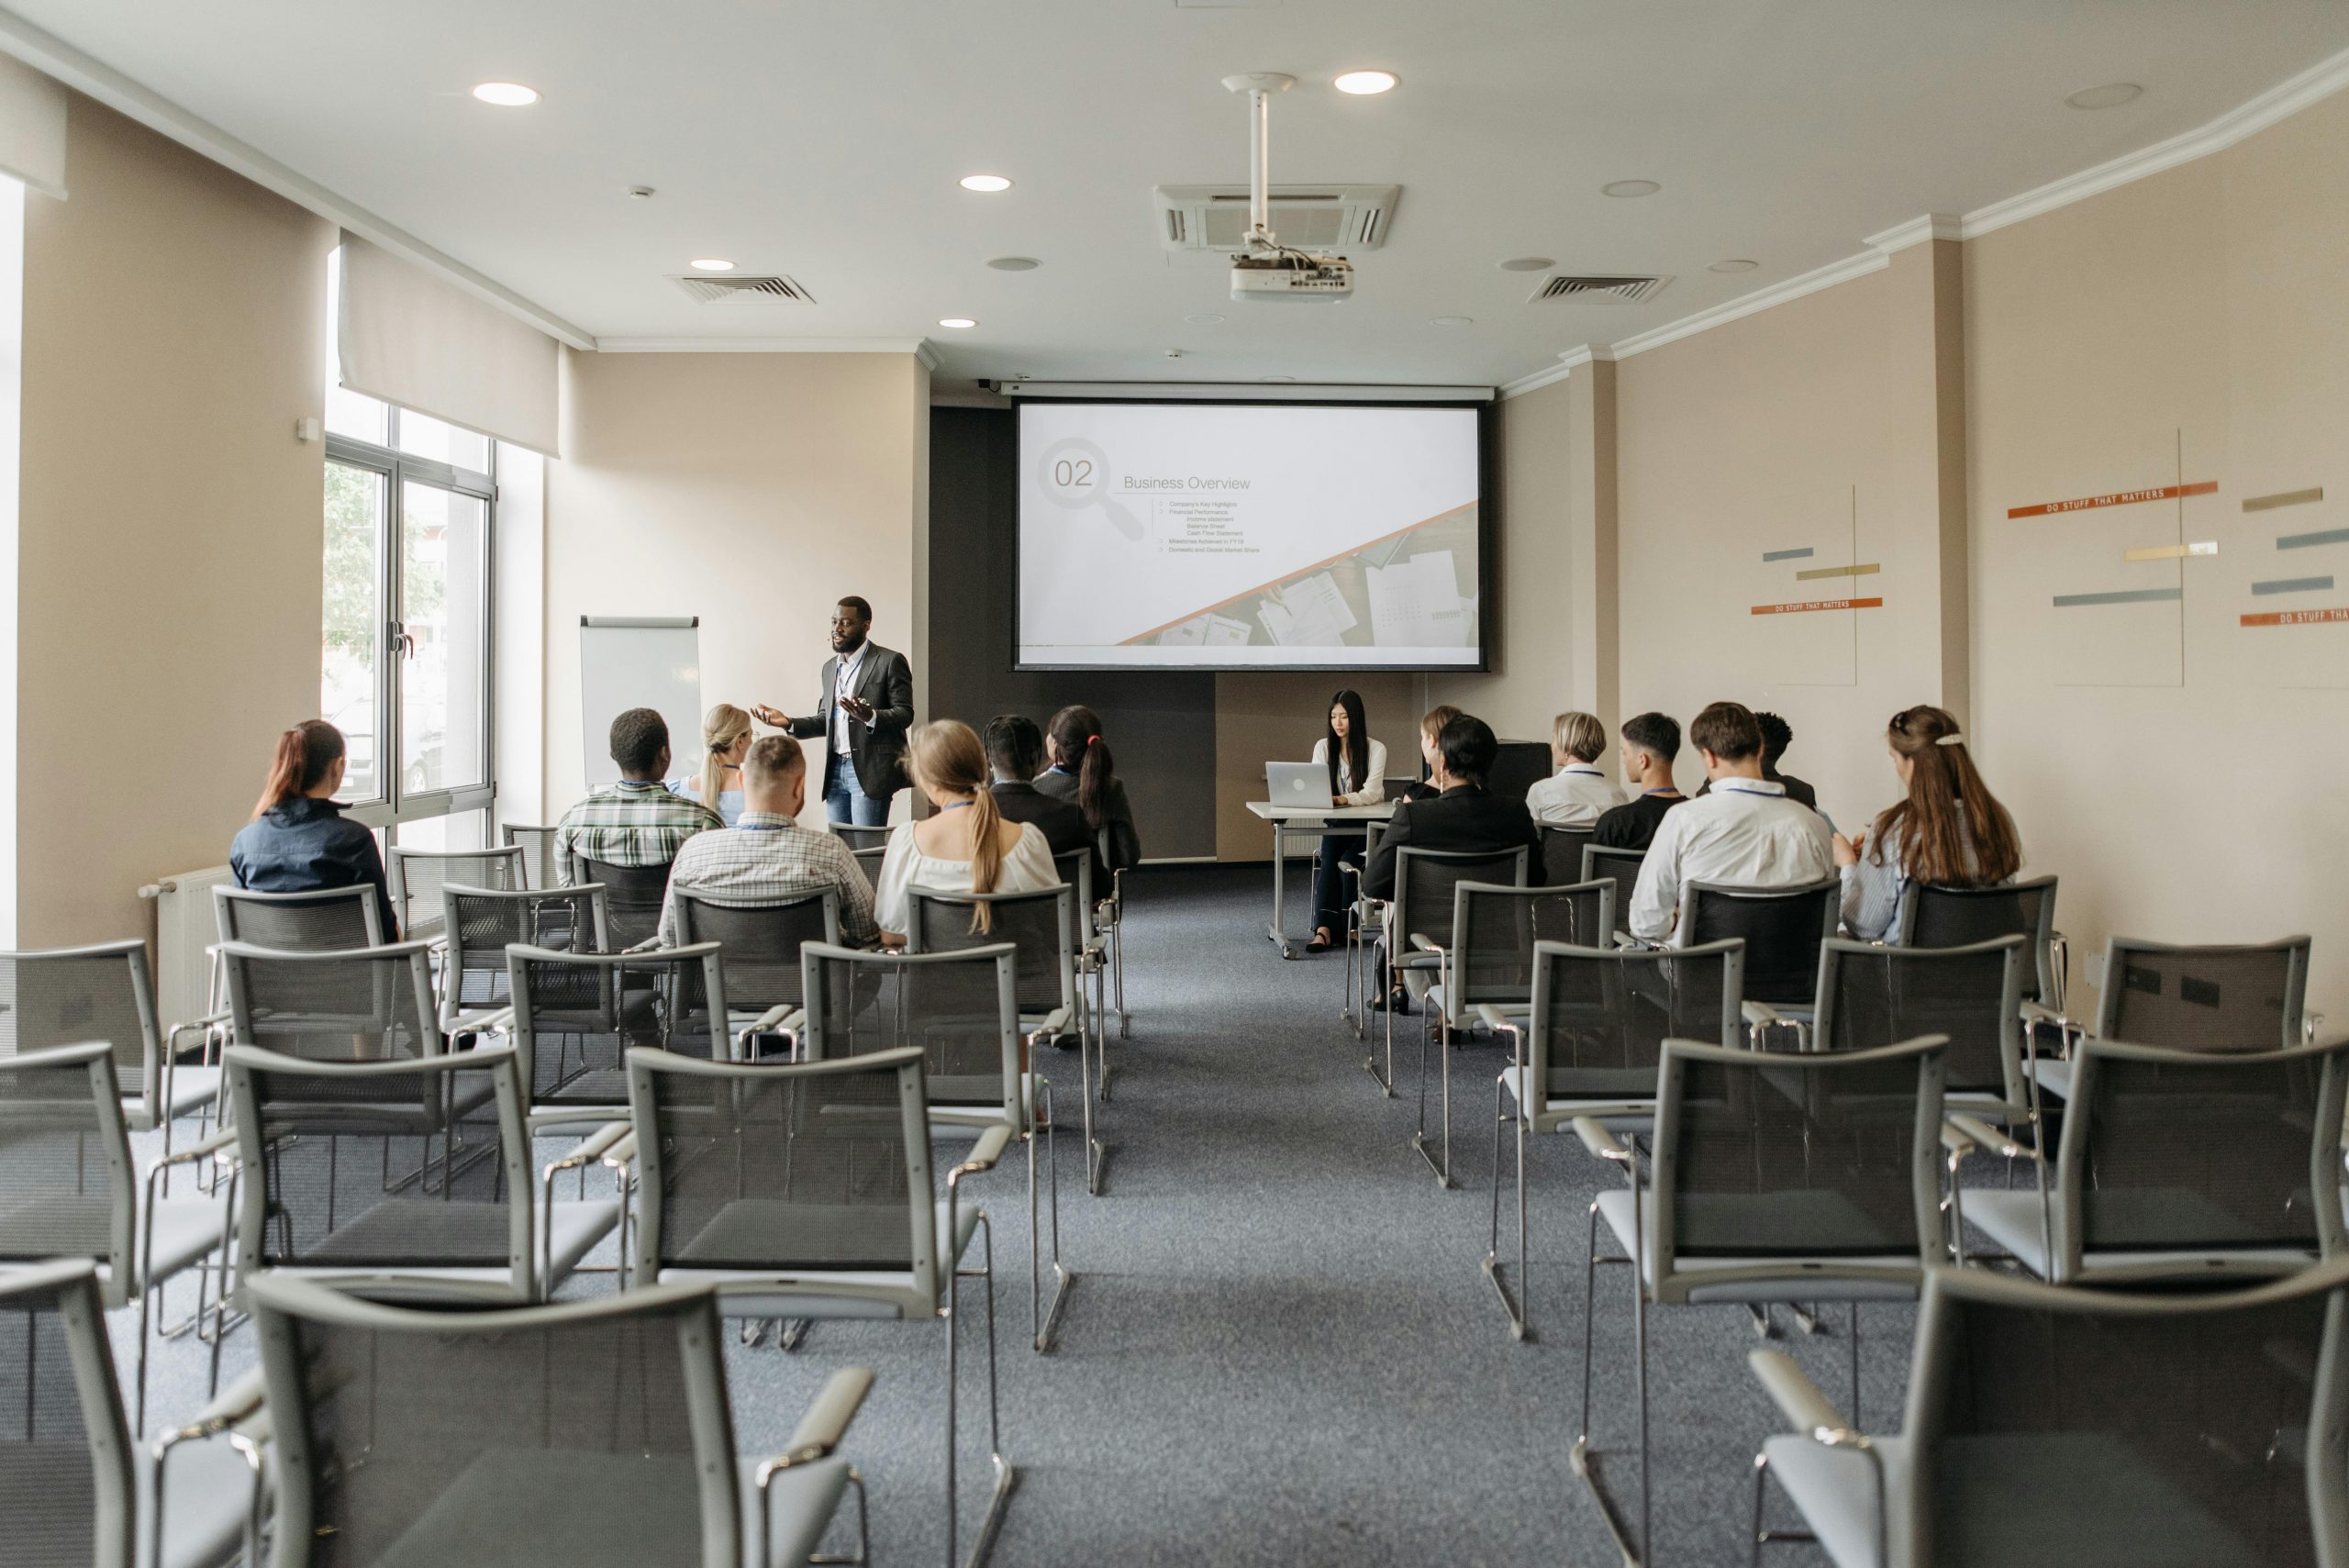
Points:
(297, 841)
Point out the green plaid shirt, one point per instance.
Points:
(631, 823)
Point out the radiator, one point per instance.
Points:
(186, 929)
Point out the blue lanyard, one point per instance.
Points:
(957, 806)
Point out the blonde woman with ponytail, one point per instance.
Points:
(725, 740)
(964, 845)
(1949, 831)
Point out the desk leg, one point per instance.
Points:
(1280, 889)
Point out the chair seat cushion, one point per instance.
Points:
(2013, 1218)
(1783, 1276)
(804, 1296)
(206, 1489)
(1835, 1491)
(185, 1230)
(1611, 1095)
(554, 1509)
(799, 1505)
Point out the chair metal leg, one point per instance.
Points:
(1005, 1477)
(1584, 1458)
(1519, 1330)
(1042, 1320)
(1370, 1063)
(1763, 1538)
(1434, 1024)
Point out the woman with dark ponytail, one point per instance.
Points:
(1082, 771)
(1950, 830)
(297, 841)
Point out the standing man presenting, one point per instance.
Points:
(865, 709)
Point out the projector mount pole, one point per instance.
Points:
(1259, 86)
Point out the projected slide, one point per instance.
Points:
(1214, 535)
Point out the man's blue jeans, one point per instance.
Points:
(843, 802)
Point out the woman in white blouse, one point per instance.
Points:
(1357, 777)
(1950, 830)
(964, 846)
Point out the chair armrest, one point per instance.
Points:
(1760, 1013)
(620, 1155)
(1957, 1143)
(819, 1431)
(172, 1036)
(237, 1404)
(2034, 1013)
(1982, 1134)
(222, 1141)
(1636, 944)
(593, 1149)
(783, 1017)
(1599, 1141)
(984, 1154)
(1420, 941)
(1797, 1397)
(1054, 1022)
(498, 1022)
(1496, 1020)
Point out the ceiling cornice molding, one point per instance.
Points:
(1794, 288)
(52, 55)
(1917, 230)
(2281, 102)
(1573, 360)
(919, 347)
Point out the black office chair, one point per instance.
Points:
(1783, 928)
(633, 897)
(1561, 850)
(1934, 915)
(1621, 867)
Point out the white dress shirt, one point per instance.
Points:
(1745, 833)
(844, 685)
(1354, 791)
(1572, 796)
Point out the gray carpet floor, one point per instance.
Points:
(1280, 1348)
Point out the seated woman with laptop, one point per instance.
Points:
(1356, 767)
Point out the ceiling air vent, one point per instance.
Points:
(773, 289)
(1344, 218)
(1560, 285)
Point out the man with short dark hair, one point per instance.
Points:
(1746, 833)
(1015, 755)
(636, 822)
(866, 709)
(768, 855)
(1776, 736)
(1465, 815)
(1648, 743)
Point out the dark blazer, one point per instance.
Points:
(307, 846)
(1121, 844)
(1465, 817)
(1061, 823)
(878, 750)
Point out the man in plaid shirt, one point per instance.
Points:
(767, 854)
(636, 822)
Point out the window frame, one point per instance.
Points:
(393, 805)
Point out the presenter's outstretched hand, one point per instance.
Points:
(770, 717)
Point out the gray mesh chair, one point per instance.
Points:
(371, 1004)
(325, 920)
(1934, 915)
(575, 1015)
(633, 897)
(67, 1190)
(861, 838)
(1783, 928)
(75, 1487)
(1871, 995)
(1601, 862)
(2179, 1164)
(1418, 926)
(480, 924)
(961, 1009)
(537, 844)
(1775, 1178)
(1075, 867)
(806, 1190)
(66, 995)
(1043, 926)
(591, 1432)
(2048, 1428)
(1591, 1044)
(2247, 997)
(1561, 850)
(759, 943)
(416, 877)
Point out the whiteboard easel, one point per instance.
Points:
(628, 661)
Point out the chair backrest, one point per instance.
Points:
(2171, 1150)
(65, 1173)
(861, 838)
(1936, 916)
(1783, 927)
(632, 896)
(1601, 862)
(1494, 928)
(327, 919)
(576, 1014)
(960, 1009)
(2179, 1427)
(2244, 997)
(1424, 880)
(537, 844)
(316, 1138)
(780, 1169)
(447, 1435)
(67, 996)
(1041, 925)
(760, 941)
(1832, 1158)
(416, 877)
(1561, 850)
(868, 861)
(1075, 867)
(482, 923)
(1601, 1014)
(1871, 995)
(66, 1487)
(367, 1004)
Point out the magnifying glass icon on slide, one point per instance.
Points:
(1075, 473)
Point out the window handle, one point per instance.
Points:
(403, 641)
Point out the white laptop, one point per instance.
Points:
(1299, 784)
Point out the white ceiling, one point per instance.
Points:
(824, 140)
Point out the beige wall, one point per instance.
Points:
(175, 332)
(751, 490)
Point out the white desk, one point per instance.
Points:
(1311, 822)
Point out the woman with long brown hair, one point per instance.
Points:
(964, 845)
(1951, 828)
(298, 841)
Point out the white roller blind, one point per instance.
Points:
(408, 338)
(32, 128)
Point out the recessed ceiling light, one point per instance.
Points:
(957, 322)
(985, 183)
(1015, 263)
(507, 94)
(1734, 265)
(1528, 264)
(1276, 378)
(1453, 320)
(712, 264)
(2111, 95)
(1631, 188)
(1362, 83)
(1203, 320)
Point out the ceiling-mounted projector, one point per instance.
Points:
(1268, 269)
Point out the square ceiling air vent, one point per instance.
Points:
(768, 289)
(1620, 285)
(1346, 218)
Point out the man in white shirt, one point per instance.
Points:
(768, 855)
(1745, 833)
(1579, 790)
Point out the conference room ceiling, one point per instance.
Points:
(825, 142)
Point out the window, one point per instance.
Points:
(405, 660)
